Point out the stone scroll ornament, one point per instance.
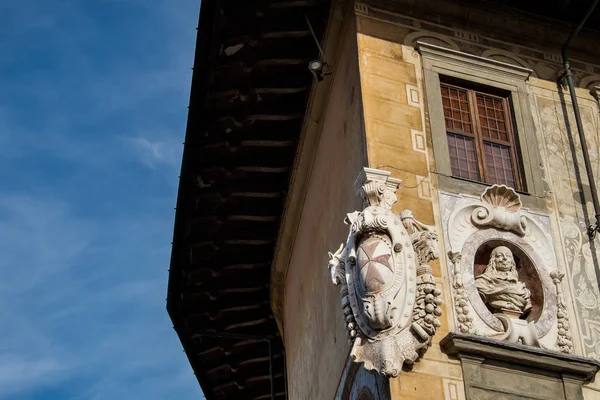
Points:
(389, 297)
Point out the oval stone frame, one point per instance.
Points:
(469, 250)
(498, 216)
(401, 291)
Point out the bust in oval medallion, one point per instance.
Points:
(499, 285)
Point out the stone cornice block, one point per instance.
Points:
(371, 174)
(488, 66)
(464, 345)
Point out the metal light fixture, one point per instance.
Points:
(316, 66)
(316, 69)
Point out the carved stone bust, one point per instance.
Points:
(499, 285)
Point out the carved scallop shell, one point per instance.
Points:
(502, 196)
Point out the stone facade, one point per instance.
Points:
(392, 90)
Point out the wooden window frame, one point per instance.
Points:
(442, 64)
(477, 134)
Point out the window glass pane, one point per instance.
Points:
(463, 157)
(456, 109)
(491, 128)
(491, 117)
(499, 164)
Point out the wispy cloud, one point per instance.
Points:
(153, 153)
(87, 311)
(17, 373)
(93, 99)
(37, 240)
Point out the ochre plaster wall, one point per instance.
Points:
(314, 332)
(380, 77)
(399, 141)
(395, 129)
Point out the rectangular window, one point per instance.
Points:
(480, 136)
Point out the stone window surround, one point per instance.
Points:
(442, 61)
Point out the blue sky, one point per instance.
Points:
(93, 106)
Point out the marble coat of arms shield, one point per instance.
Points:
(389, 297)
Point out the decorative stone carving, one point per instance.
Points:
(502, 260)
(461, 299)
(389, 296)
(428, 300)
(517, 330)
(502, 291)
(564, 339)
(499, 285)
(500, 209)
(338, 277)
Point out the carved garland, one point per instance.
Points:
(564, 340)
(461, 296)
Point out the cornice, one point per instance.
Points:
(433, 54)
(462, 345)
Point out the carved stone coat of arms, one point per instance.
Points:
(389, 296)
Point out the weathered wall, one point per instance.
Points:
(377, 112)
(399, 140)
(314, 332)
(572, 212)
(395, 128)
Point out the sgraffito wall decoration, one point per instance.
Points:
(567, 183)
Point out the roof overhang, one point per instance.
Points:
(249, 92)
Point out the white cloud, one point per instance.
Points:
(155, 152)
(84, 236)
(83, 301)
(37, 239)
(17, 373)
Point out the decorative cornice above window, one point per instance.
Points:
(432, 54)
